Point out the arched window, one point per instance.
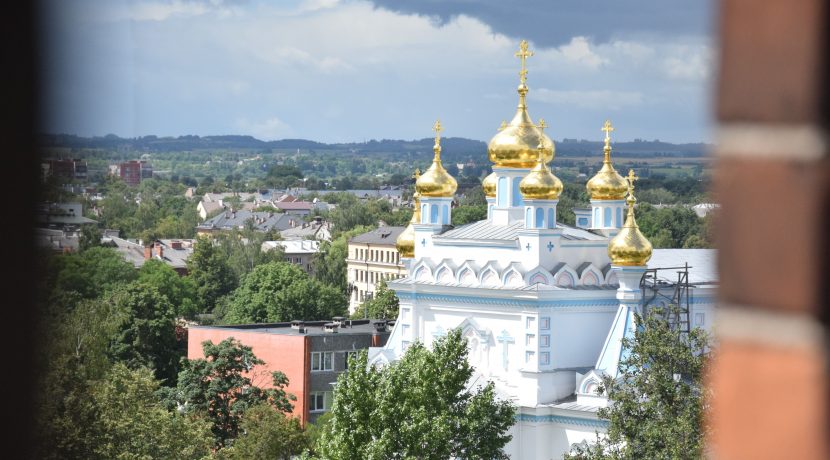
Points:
(551, 219)
(433, 214)
(607, 217)
(619, 217)
(445, 214)
(517, 195)
(527, 217)
(595, 223)
(502, 192)
(424, 214)
(540, 218)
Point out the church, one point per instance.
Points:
(543, 305)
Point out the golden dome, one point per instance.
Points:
(540, 183)
(607, 184)
(436, 182)
(405, 244)
(489, 185)
(630, 247)
(515, 145)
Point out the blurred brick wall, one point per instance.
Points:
(769, 379)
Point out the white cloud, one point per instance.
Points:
(270, 129)
(579, 51)
(599, 99)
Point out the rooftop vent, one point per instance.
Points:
(330, 328)
(297, 324)
(380, 325)
(338, 320)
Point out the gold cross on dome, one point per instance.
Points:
(607, 128)
(523, 54)
(631, 178)
(542, 125)
(437, 128)
(503, 125)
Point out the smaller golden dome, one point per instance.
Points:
(630, 247)
(607, 184)
(489, 185)
(405, 244)
(540, 183)
(436, 182)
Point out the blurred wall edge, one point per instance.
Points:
(769, 378)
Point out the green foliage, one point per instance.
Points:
(219, 388)
(280, 291)
(90, 237)
(418, 407)
(469, 213)
(90, 273)
(658, 398)
(330, 261)
(266, 434)
(179, 290)
(210, 272)
(146, 334)
(384, 304)
(671, 227)
(131, 423)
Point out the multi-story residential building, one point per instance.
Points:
(297, 252)
(130, 171)
(372, 257)
(311, 354)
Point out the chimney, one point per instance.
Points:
(330, 328)
(176, 245)
(376, 339)
(148, 252)
(298, 325)
(160, 249)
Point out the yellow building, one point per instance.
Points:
(372, 257)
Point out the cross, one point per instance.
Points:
(607, 128)
(503, 125)
(631, 178)
(505, 340)
(528, 246)
(437, 128)
(523, 54)
(550, 246)
(424, 242)
(542, 125)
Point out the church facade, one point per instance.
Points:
(543, 305)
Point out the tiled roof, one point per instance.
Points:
(383, 235)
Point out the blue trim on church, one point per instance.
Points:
(563, 420)
(612, 302)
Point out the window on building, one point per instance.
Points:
(530, 339)
(319, 401)
(544, 323)
(531, 322)
(544, 358)
(529, 356)
(321, 361)
(544, 341)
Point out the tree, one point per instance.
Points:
(330, 261)
(131, 423)
(90, 237)
(146, 335)
(418, 407)
(219, 388)
(471, 213)
(179, 290)
(91, 272)
(383, 305)
(280, 291)
(267, 434)
(658, 399)
(210, 272)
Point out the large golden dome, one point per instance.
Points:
(607, 184)
(489, 185)
(436, 182)
(515, 144)
(540, 183)
(630, 247)
(405, 244)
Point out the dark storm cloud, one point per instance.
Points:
(554, 22)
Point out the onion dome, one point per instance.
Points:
(540, 183)
(436, 182)
(515, 145)
(405, 244)
(607, 184)
(489, 185)
(630, 247)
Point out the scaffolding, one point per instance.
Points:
(655, 290)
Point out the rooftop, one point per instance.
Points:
(312, 328)
(383, 235)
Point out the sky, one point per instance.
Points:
(356, 70)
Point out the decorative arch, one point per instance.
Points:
(590, 276)
(611, 278)
(566, 277)
(512, 278)
(538, 276)
(466, 275)
(422, 272)
(444, 275)
(489, 277)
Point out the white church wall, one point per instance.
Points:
(577, 337)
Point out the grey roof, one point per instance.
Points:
(702, 264)
(383, 235)
(134, 252)
(483, 230)
(264, 221)
(357, 326)
(573, 233)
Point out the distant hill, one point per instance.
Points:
(453, 147)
